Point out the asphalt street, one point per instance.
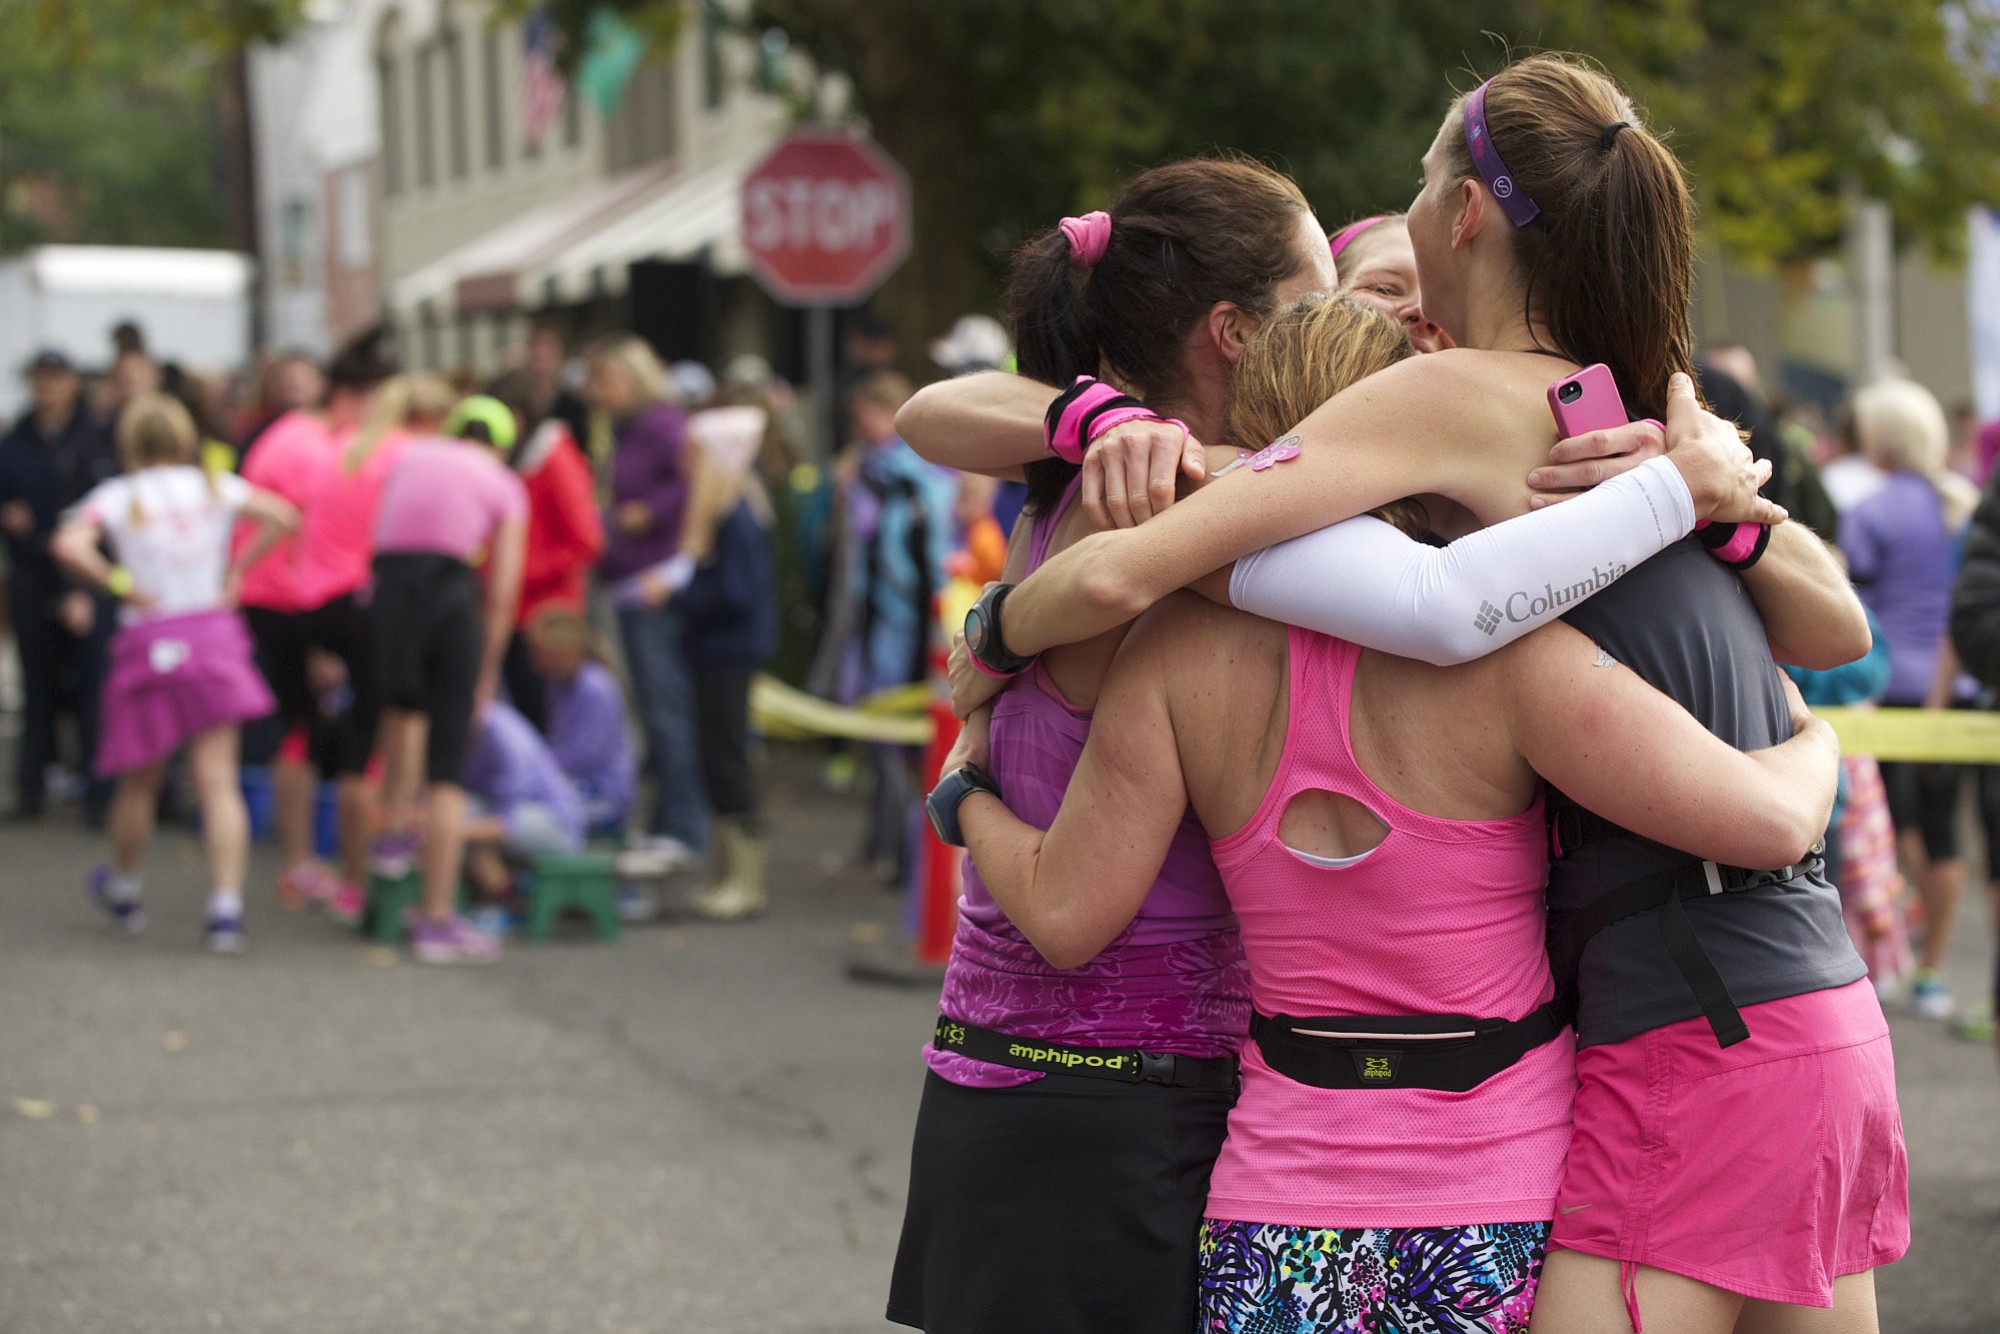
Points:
(699, 1128)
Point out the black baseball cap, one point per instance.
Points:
(48, 359)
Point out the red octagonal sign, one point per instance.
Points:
(826, 217)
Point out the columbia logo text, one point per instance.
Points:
(1524, 605)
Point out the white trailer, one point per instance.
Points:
(193, 306)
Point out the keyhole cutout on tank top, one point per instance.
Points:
(1329, 830)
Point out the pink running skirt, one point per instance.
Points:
(171, 680)
(1769, 1168)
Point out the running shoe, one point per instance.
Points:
(129, 917)
(1929, 999)
(346, 904)
(636, 907)
(454, 940)
(1974, 1025)
(654, 858)
(494, 920)
(224, 935)
(394, 854)
(305, 884)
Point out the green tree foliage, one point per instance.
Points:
(1780, 108)
(1009, 113)
(108, 129)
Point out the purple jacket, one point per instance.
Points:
(510, 765)
(592, 741)
(1903, 560)
(647, 465)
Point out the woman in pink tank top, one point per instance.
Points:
(1384, 1167)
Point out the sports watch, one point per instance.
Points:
(983, 639)
(942, 804)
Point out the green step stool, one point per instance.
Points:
(391, 899)
(580, 880)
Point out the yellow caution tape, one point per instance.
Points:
(1936, 736)
(896, 716)
(899, 716)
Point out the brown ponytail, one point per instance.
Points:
(1183, 237)
(1609, 264)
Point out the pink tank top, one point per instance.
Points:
(1443, 917)
(1173, 981)
(337, 539)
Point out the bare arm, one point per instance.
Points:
(987, 423)
(992, 423)
(1072, 890)
(1597, 731)
(75, 546)
(274, 516)
(1809, 609)
(1400, 432)
(504, 562)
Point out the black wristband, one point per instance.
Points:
(941, 806)
(984, 640)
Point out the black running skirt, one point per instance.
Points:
(1064, 1206)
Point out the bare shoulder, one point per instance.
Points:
(1190, 631)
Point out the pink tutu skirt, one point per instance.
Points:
(171, 680)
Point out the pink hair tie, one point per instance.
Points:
(1088, 237)
(1345, 237)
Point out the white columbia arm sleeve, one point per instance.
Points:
(1363, 581)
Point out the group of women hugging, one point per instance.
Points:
(1393, 898)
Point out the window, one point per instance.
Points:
(426, 116)
(465, 341)
(489, 59)
(454, 112)
(391, 107)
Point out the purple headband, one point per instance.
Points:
(1345, 237)
(1088, 236)
(1514, 201)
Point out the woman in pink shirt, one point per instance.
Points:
(1383, 1168)
(336, 544)
(447, 505)
(292, 457)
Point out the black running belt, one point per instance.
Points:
(1669, 890)
(1450, 1052)
(1124, 1064)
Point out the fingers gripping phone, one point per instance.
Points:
(1587, 401)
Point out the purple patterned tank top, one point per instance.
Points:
(1173, 981)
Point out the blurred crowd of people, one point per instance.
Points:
(1893, 481)
(484, 623)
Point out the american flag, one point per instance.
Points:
(542, 89)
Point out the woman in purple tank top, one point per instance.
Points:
(1043, 1199)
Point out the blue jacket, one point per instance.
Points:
(730, 607)
(51, 473)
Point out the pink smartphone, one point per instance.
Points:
(1587, 401)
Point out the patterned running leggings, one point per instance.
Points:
(1262, 1278)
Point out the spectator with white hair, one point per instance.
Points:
(1902, 551)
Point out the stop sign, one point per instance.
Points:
(826, 217)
